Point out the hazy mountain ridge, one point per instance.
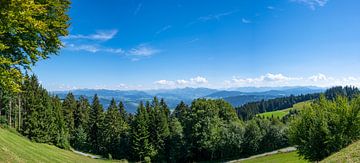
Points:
(131, 98)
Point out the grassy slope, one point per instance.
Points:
(15, 148)
(290, 157)
(348, 154)
(282, 113)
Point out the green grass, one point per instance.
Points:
(16, 148)
(282, 113)
(290, 157)
(348, 154)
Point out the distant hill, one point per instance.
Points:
(264, 89)
(131, 98)
(243, 99)
(237, 98)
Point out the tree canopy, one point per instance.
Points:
(29, 30)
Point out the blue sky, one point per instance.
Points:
(140, 44)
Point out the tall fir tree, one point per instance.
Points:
(81, 120)
(95, 125)
(140, 144)
(69, 107)
(113, 129)
(61, 137)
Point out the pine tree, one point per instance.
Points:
(140, 145)
(123, 113)
(95, 125)
(81, 120)
(38, 121)
(69, 107)
(61, 137)
(114, 126)
(176, 142)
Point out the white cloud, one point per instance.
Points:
(182, 82)
(164, 82)
(245, 21)
(196, 81)
(312, 4)
(135, 53)
(101, 35)
(142, 50)
(93, 48)
(274, 80)
(268, 79)
(199, 80)
(318, 77)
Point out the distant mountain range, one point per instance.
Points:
(236, 96)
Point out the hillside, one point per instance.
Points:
(15, 148)
(282, 113)
(348, 154)
(290, 157)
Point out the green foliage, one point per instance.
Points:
(176, 141)
(29, 30)
(113, 130)
(38, 123)
(61, 137)
(95, 125)
(250, 110)
(69, 107)
(140, 144)
(326, 127)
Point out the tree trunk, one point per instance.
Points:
(19, 124)
(1, 95)
(10, 113)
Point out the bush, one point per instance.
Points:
(326, 127)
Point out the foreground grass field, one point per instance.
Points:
(15, 148)
(282, 113)
(290, 157)
(348, 154)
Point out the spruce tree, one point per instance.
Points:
(122, 111)
(69, 107)
(140, 145)
(38, 121)
(61, 137)
(81, 120)
(114, 126)
(95, 125)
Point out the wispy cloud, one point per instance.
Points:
(210, 17)
(138, 8)
(193, 40)
(143, 50)
(101, 35)
(312, 4)
(195, 81)
(216, 16)
(271, 7)
(163, 29)
(135, 53)
(93, 48)
(245, 21)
